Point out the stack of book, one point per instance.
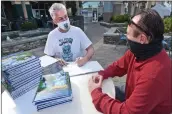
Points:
(21, 72)
(54, 87)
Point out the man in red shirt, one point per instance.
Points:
(149, 73)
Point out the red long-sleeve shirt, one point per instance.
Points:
(148, 86)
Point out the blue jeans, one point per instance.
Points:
(120, 92)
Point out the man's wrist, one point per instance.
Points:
(95, 93)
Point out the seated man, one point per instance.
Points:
(148, 67)
(67, 42)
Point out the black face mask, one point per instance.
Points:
(144, 51)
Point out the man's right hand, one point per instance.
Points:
(96, 77)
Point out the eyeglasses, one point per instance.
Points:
(140, 28)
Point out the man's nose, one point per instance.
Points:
(64, 18)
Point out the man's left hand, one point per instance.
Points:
(95, 82)
(81, 61)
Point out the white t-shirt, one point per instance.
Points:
(67, 46)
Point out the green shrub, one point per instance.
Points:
(119, 18)
(126, 17)
(168, 24)
(28, 26)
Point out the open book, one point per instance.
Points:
(72, 67)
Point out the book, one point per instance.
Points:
(20, 79)
(23, 69)
(55, 84)
(54, 104)
(11, 61)
(21, 72)
(61, 97)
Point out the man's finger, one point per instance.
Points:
(100, 80)
(77, 58)
(94, 77)
(63, 62)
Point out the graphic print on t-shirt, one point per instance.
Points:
(67, 54)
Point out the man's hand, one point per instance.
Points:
(81, 61)
(95, 82)
(61, 61)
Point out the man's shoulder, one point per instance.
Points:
(75, 28)
(53, 32)
(156, 66)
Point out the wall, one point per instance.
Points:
(116, 9)
(78, 21)
(108, 6)
(23, 44)
(107, 11)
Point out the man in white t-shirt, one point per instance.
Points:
(67, 42)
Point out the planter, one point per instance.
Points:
(109, 25)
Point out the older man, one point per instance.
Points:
(66, 41)
(148, 68)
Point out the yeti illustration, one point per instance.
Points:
(66, 49)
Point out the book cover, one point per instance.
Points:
(16, 59)
(55, 83)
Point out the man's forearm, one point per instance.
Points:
(90, 52)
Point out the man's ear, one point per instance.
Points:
(143, 39)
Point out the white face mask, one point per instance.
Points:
(65, 25)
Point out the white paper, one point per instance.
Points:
(89, 67)
(47, 60)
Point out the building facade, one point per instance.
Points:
(13, 13)
(124, 7)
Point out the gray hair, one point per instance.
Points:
(56, 7)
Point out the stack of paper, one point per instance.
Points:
(54, 87)
(21, 72)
